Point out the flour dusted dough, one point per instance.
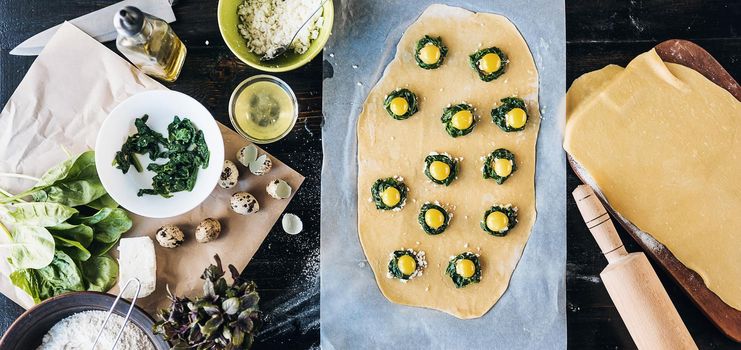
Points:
(663, 144)
(388, 147)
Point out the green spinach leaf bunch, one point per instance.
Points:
(59, 242)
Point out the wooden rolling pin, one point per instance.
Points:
(632, 283)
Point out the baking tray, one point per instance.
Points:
(726, 318)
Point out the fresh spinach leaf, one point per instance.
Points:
(105, 201)
(74, 193)
(32, 247)
(98, 248)
(73, 248)
(112, 226)
(39, 213)
(80, 233)
(100, 273)
(61, 276)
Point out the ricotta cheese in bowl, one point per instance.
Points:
(267, 25)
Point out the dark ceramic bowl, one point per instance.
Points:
(28, 330)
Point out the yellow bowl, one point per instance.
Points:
(228, 20)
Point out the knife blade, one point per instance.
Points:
(98, 24)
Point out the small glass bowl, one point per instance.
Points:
(252, 80)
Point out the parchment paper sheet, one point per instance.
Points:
(63, 99)
(354, 314)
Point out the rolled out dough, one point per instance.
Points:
(663, 143)
(388, 147)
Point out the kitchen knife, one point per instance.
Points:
(98, 24)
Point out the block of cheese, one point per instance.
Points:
(137, 260)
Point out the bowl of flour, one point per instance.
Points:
(72, 321)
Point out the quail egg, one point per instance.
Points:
(292, 224)
(247, 155)
(170, 236)
(244, 203)
(229, 176)
(208, 230)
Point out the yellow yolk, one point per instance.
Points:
(502, 166)
(399, 106)
(439, 170)
(407, 265)
(462, 120)
(516, 118)
(429, 54)
(497, 221)
(465, 268)
(490, 63)
(390, 196)
(434, 218)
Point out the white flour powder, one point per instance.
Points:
(79, 331)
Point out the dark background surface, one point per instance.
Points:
(286, 267)
(615, 31)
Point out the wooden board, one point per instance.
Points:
(726, 318)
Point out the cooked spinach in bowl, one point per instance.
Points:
(184, 148)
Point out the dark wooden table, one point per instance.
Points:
(615, 31)
(598, 32)
(285, 268)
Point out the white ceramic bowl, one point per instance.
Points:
(161, 106)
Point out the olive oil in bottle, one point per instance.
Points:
(149, 43)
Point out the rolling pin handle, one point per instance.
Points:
(598, 221)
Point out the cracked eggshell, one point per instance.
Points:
(230, 175)
(292, 224)
(279, 189)
(262, 165)
(247, 155)
(208, 230)
(244, 203)
(170, 236)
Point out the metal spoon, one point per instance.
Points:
(279, 51)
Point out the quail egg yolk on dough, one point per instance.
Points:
(462, 120)
(399, 106)
(465, 268)
(434, 218)
(497, 221)
(429, 54)
(502, 166)
(490, 63)
(439, 170)
(391, 196)
(407, 265)
(516, 118)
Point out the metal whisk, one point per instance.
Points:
(128, 313)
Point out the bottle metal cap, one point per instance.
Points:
(129, 21)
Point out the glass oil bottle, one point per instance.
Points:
(149, 43)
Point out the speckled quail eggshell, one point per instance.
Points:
(247, 155)
(279, 189)
(244, 203)
(261, 166)
(170, 236)
(292, 224)
(229, 175)
(208, 230)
